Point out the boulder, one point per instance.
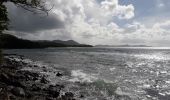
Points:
(17, 91)
(43, 80)
(59, 74)
(68, 96)
(4, 77)
(35, 87)
(54, 91)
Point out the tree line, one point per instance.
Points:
(34, 6)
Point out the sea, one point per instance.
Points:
(106, 73)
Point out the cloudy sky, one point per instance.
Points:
(110, 22)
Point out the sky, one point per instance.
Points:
(96, 22)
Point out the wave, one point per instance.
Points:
(80, 76)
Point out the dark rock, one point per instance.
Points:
(49, 98)
(81, 96)
(69, 94)
(18, 91)
(152, 92)
(63, 97)
(3, 94)
(30, 66)
(59, 74)
(4, 77)
(28, 76)
(12, 97)
(35, 66)
(29, 94)
(54, 91)
(9, 88)
(43, 80)
(10, 80)
(45, 70)
(35, 87)
(17, 83)
(60, 86)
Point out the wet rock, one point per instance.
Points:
(59, 74)
(81, 96)
(152, 92)
(12, 97)
(35, 66)
(45, 70)
(21, 84)
(17, 91)
(36, 87)
(49, 98)
(3, 94)
(30, 66)
(69, 94)
(43, 80)
(28, 76)
(9, 88)
(123, 97)
(10, 80)
(54, 91)
(4, 77)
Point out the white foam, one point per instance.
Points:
(168, 82)
(80, 76)
(120, 92)
(146, 86)
(112, 69)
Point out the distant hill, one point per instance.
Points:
(8, 41)
(69, 42)
(122, 46)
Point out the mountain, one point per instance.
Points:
(8, 41)
(69, 42)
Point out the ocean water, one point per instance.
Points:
(107, 73)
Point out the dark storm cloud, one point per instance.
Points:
(25, 21)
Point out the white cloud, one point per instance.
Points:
(156, 34)
(160, 4)
(88, 21)
(113, 8)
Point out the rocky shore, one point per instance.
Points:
(18, 84)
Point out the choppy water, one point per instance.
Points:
(109, 73)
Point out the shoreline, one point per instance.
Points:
(19, 84)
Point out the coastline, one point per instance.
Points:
(19, 84)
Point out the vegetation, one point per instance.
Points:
(35, 6)
(11, 42)
(3, 18)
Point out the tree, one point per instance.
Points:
(3, 18)
(3, 24)
(35, 6)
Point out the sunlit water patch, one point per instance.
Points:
(107, 73)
